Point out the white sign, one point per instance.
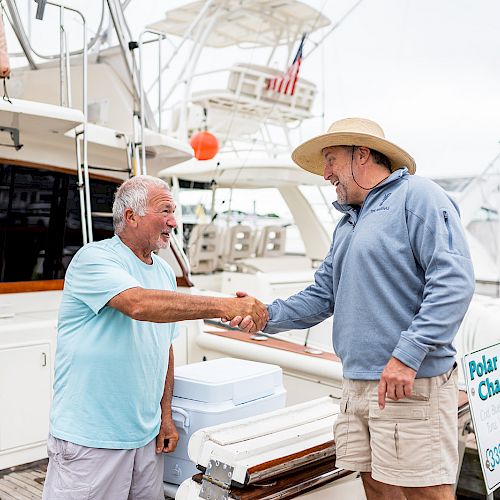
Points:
(482, 376)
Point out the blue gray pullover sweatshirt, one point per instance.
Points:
(398, 279)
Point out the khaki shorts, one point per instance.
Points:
(411, 442)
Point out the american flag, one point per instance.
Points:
(285, 84)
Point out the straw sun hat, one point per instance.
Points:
(351, 132)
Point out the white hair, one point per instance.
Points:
(133, 194)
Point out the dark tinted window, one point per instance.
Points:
(40, 225)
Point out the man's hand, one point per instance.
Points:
(247, 312)
(246, 324)
(396, 382)
(167, 438)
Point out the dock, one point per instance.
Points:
(24, 482)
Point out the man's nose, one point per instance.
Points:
(172, 222)
(327, 172)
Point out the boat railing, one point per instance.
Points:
(65, 89)
(251, 81)
(244, 107)
(158, 37)
(65, 96)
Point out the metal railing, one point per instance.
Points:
(66, 100)
(159, 37)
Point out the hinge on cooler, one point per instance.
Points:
(216, 481)
(211, 491)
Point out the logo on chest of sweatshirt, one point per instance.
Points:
(381, 205)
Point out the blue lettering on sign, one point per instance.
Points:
(488, 389)
(493, 457)
(482, 367)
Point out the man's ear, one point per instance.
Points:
(364, 154)
(130, 217)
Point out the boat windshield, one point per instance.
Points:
(253, 207)
(321, 198)
(453, 184)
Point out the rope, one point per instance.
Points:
(5, 93)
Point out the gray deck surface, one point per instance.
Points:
(24, 482)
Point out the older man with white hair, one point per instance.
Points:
(111, 413)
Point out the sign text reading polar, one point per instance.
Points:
(487, 388)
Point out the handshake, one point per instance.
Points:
(245, 312)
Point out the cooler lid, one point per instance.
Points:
(226, 379)
(258, 447)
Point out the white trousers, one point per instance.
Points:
(79, 473)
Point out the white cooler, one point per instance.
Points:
(286, 453)
(215, 392)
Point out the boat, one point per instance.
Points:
(226, 256)
(70, 141)
(479, 204)
(245, 255)
(71, 133)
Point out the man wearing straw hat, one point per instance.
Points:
(398, 279)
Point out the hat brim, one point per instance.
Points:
(309, 154)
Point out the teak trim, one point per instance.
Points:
(50, 285)
(282, 464)
(31, 286)
(270, 342)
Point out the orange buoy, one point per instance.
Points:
(205, 145)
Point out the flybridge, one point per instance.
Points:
(246, 114)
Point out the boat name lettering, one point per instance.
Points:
(487, 365)
(488, 388)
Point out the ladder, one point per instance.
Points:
(142, 116)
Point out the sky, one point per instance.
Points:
(427, 71)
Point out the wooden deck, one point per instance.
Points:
(23, 482)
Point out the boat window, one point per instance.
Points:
(454, 184)
(252, 207)
(321, 198)
(40, 225)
